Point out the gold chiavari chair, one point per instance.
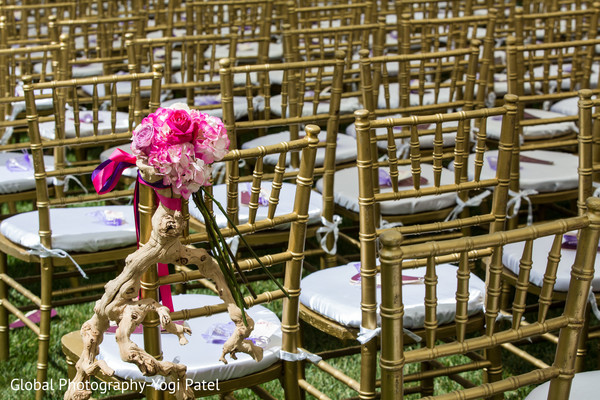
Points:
(249, 19)
(17, 183)
(206, 314)
(313, 16)
(28, 24)
(56, 236)
(301, 100)
(552, 288)
(394, 356)
(543, 171)
(307, 44)
(410, 93)
(344, 301)
(97, 44)
(530, 27)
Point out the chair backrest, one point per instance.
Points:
(424, 83)
(302, 100)
(78, 121)
(98, 40)
(191, 65)
(589, 147)
(29, 24)
(249, 19)
(394, 255)
(308, 44)
(557, 26)
(340, 14)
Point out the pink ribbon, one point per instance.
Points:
(106, 176)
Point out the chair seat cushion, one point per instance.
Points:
(543, 131)
(567, 106)
(86, 127)
(16, 173)
(347, 106)
(335, 293)
(345, 150)
(345, 189)
(561, 175)
(200, 355)
(541, 247)
(584, 386)
(75, 229)
(285, 206)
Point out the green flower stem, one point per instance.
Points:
(279, 285)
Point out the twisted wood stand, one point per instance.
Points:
(120, 304)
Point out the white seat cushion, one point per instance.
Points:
(562, 175)
(583, 387)
(87, 128)
(88, 234)
(345, 150)
(19, 178)
(567, 106)
(346, 192)
(335, 294)
(239, 79)
(543, 131)
(285, 206)
(347, 106)
(513, 252)
(200, 355)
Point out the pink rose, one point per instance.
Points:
(182, 127)
(142, 139)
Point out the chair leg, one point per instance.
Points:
(427, 383)
(582, 344)
(4, 333)
(494, 372)
(44, 336)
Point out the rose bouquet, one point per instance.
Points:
(181, 144)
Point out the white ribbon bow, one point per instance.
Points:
(327, 229)
(516, 201)
(301, 355)
(593, 304)
(472, 202)
(65, 182)
(597, 191)
(365, 335)
(46, 252)
(233, 243)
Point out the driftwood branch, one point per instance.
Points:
(120, 304)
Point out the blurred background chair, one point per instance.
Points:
(105, 232)
(570, 322)
(206, 315)
(343, 301)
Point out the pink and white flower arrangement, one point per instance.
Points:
(181, 144)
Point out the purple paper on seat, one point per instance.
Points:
(219, 333)
(245, 196)
(493, 161)
(108, 217)
(207, 100)
(19, 163)
(570, 242)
